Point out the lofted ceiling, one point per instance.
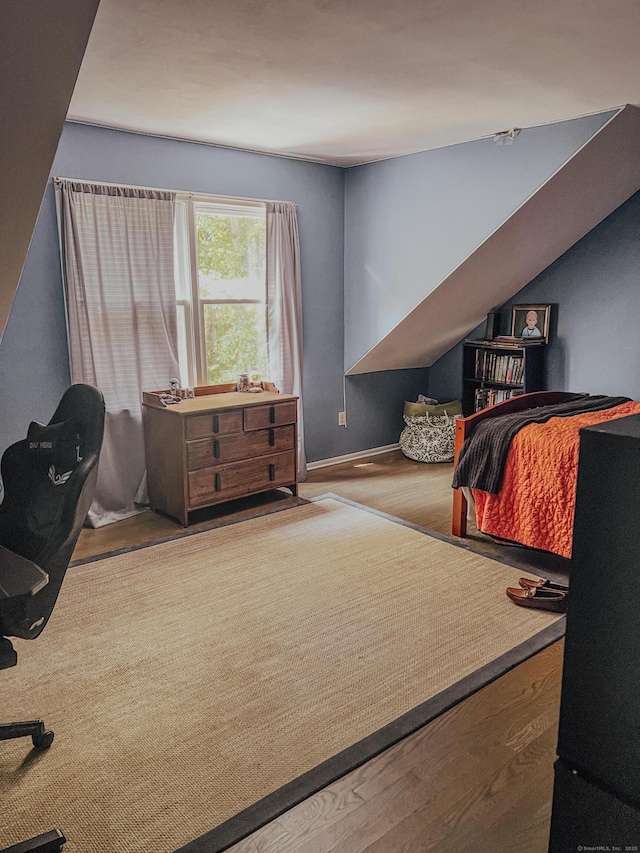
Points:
(342, 82)
(353, 81)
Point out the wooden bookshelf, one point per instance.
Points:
(494, 371)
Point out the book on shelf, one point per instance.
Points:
(496, 367)
(513, 340)
(485, 397)
(507, 341)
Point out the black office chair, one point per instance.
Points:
(49, 480)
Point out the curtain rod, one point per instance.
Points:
(194, 195)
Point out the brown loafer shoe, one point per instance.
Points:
(540, 598)
(542, 583)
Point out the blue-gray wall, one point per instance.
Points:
(34, 367)
(411, 220)
(592, 287)
(594, 293)
(34, 363)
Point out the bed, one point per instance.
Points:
(534, 502)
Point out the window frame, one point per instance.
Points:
(193, 307)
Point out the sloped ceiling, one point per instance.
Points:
(337, 81)
(41, 50)
(598, 178)
(352, 81)
(348, 82)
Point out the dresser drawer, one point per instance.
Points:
(231, 448)
(259, 417)
(213, 423)
(212, 485)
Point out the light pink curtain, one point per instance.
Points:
(284, 309)
(116, 249)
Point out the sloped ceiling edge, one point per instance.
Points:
(41, 51)
(597, 179)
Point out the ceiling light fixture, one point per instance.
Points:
(506, 137)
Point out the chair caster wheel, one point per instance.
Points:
(44, 740)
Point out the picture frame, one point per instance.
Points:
(530, 321)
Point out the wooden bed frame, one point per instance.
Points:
(464, 426)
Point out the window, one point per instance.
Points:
(220, 252)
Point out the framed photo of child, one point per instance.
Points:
(530, 321)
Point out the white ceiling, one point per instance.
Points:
(352, 81)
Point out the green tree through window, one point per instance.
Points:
(230, 247)
(235, 341)
(228, 333)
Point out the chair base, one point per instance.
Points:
(8, 655)
(41, 737)
(48, 842)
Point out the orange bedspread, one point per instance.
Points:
(536, 501)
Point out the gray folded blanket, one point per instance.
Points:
(484, 454)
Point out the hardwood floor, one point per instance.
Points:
(479, 778)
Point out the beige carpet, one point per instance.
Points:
(187, 680)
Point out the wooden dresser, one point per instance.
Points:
(217, 447)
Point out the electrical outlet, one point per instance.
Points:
(342, 419)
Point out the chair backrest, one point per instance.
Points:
(47, 495)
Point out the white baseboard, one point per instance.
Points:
(351, 457)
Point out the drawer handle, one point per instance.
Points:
(216, 424)
(218, 483)
(272, 415)
(272, 437)
(272, 472)
(216, 448)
